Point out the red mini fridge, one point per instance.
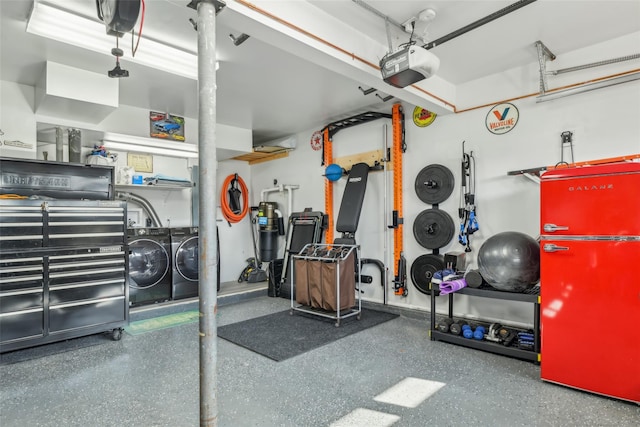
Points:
(589, 285)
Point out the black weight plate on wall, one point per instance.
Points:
(434, 184)
(433, 228)
(422, 270)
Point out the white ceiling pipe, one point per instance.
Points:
(279, 189)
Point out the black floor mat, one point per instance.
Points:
(280, 336)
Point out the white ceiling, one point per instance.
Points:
(276, 93)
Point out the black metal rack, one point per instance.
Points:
(358, 119)
(532, 296)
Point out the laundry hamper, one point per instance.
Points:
(325, 281)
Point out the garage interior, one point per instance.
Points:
(161, 214)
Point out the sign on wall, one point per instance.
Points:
(423, 118)
(502, 118)
(140, 162)
(166, 126)
(316, 140)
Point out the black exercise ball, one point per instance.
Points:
(510, 261)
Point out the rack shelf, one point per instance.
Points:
(532, 296)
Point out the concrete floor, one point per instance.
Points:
(152, 380)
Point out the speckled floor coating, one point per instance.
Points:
(152, 380)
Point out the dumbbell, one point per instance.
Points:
(478, 334)
(456, 327)
(526, 340)
(467, 331)
(444, 324)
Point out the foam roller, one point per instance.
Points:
(474, 279)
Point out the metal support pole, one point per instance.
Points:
(59, 144)
(207, 165)
(385, 204)
(75, 145)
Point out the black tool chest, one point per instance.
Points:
(63, 270)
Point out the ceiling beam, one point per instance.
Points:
(306, 31)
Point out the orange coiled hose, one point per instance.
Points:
(228, 214)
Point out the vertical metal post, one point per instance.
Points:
(207, 165)
(385, 208)
(75, 145)
(59, 144)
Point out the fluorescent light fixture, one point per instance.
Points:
(549, 96)
(118, 142)
(52, 21)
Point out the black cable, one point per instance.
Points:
(411, 42)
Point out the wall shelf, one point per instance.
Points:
(130, 187)
(263, 154)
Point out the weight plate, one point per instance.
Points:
(434, 184)
(422, 270)
(433, 228)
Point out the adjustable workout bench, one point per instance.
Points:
(352, 199)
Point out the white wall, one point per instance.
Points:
(17, 121)
(605, 124)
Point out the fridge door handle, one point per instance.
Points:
(550, 247)
(551, 228)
